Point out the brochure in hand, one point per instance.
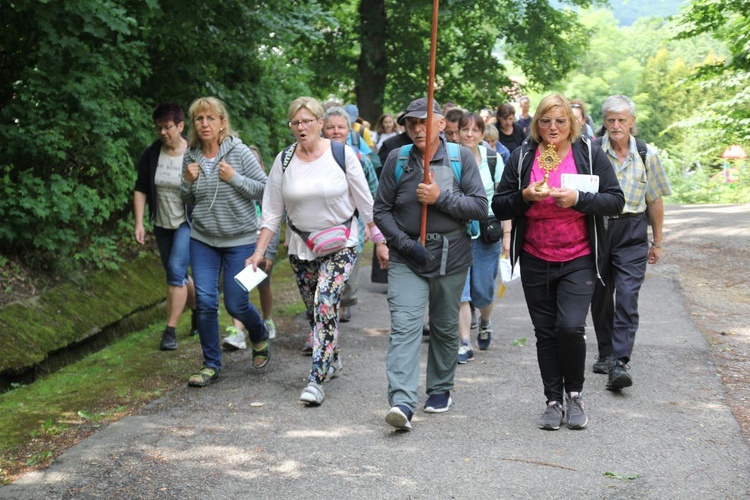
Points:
(249, 279)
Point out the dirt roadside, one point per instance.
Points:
(706, 251)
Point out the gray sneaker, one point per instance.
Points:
(552, 417)
(575, 414)
(603, 364)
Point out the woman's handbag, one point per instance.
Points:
(490, 230)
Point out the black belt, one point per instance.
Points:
(625, 216)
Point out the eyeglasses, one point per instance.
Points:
(546, 122)
(301, 123)
(574, 105)
(472, 131)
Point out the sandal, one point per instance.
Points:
(261, 356)
(203, 378)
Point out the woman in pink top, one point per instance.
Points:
(557, 188)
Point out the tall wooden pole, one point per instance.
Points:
(430, 100)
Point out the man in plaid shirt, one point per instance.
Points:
(614, 308)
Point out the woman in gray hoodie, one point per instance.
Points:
(220, 179)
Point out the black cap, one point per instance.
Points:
(418, 109)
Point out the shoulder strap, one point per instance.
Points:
(642, 148)
(454, 154)
(338, 150)
(355, 138)
(492, 162)
(403, 157)
(286, 156)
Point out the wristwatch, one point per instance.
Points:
(655, 244)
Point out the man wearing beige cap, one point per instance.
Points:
(430, 275)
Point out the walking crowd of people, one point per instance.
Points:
(570, 208)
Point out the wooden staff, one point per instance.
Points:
(430, 100)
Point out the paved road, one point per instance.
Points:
(669, 436)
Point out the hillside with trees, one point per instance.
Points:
(627, 12)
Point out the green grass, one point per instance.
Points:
(39, 421)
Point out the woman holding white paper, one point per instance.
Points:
(220, 179)
(320, 185)
(558, 235)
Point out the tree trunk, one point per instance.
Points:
(371, 66)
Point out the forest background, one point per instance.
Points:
(78, 81)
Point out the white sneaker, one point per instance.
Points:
(236, 341)
(271, 327)
(312, 394)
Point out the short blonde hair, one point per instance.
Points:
(309, 103)
(550, 102)
(215, 106)
(491, 134)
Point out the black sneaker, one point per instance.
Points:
(603, 364)
(438, 403)
(399, 417)
(168, 341)
(552, 417)
(575, 414)
(619, 378)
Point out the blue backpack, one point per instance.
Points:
(454, 154)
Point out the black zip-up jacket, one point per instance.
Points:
(508, 202)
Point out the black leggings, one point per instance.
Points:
(558, 295)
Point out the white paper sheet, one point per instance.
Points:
(581, 182)
(249, 279)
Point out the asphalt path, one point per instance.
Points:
(671, 435)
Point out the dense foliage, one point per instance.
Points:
(78, 80)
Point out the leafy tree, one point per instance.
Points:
(728, 119)
(78, 80)
(395, 41)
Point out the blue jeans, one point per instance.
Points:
(480, 281)
(174, 250)
(207, 263)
